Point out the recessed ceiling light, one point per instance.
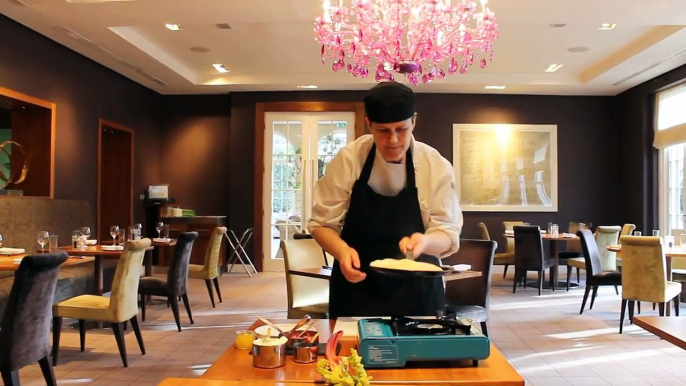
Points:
(309, 86)
(553, 67)
(495, 87)
(173, 27)
(223, 26)
(220, 67)
(558, 25)
(577, 49)
(200, 49)
(607, 26)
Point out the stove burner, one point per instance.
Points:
(403, 326)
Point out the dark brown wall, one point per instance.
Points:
(587, 148)
(196, 148)
(638, 159)
(84, 92)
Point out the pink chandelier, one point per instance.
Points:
(412, 37)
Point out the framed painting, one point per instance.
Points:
(506, 168)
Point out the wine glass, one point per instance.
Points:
(139, 229)
(114, 232)
(43, 237)
(159, 228)
(86, 232)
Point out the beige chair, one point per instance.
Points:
(510, 248)
(209, 270)
(504, 258)
(120, 307)
(627, 230)
(306, 295)
(644, 275)
(604, 237)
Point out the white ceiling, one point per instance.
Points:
(271, 46)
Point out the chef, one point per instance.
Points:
(386, 195)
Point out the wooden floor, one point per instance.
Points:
(544, 337)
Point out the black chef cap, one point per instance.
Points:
(389, 102)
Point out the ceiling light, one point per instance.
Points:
(200, 49)
(607, 26)
(309, 86)
(220, 67)
(558, 25)
(577, 49)
(495, 87)
(553, 67)
(223, 26)
(173, 27)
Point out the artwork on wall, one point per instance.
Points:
(506, 168)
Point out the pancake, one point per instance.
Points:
(405, 265)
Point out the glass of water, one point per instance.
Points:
(656, 233)
(637, 233)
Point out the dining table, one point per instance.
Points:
(554, 251)
(325, 273)
(11, 262)
(236, 365)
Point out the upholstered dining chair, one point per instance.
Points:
(604, 237)
(209, 270)
(306, 295)
(530, 256)
(596, 276)
(25, 329)
(175, 285)
(627, 230)
(470, 298)
(117, 309)
(644, 276)
(503, 258)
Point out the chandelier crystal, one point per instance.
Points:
(422, 39)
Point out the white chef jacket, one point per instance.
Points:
(434, 179)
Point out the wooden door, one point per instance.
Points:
(115, 178)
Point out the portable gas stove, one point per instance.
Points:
(393, 342)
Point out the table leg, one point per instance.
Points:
(555, 253)
(148, 271)
(668, 265)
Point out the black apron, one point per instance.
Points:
(374, 226)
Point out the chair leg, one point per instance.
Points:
(541, 277)
(578, 281)
(595, 293)
(505, 270)
(583, 302)
(137, 330)
(208, 283)
(216, 287)
(661, 307)
(175, 311)
(569, 276)
(56, 331)
(10, 378)
(631, 311)
(621, 315)
(118, 329)
(653, 306)
(187, 305)
(676, 305)
(516, 281)
(82, 334)
(617, 292)
(48, 372)
(484, 328)
(638, 305)
(143, 301)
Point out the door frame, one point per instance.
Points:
(116, 126)
(260, 127)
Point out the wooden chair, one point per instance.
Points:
(209, 270)
(117, 309)
(25, 332)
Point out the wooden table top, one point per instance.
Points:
(671, 329)
(212, 382)
(547, 236)
(11, 263)
(236, 365)
(325, 274)
(677, 251)
(95, 250)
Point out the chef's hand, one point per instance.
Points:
(349, 261)
(415, 243)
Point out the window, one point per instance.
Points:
(670, 140)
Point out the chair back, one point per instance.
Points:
(528, 249)
(25, 329)
(573, 245)
(177, 277)
(591, 253)
(212, 254)
(604, 237)
(304, 291)
(474, 291)
(627, 230)
(644, 270)
(124, 298)
(509, 226)
(484, 231)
